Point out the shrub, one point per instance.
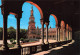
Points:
(26, 40)
(10, 45)
(22, 39)
(38, 37)
(11, 40)
(14, 43)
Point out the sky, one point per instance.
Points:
(25, 18)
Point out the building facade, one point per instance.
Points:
(34, 32)
(51, 33)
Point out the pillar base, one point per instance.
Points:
(4, 47)
(14, 51)
(45, 47)
(47, 43)
(43, 43)
(17, 46)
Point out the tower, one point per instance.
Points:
(31, 28)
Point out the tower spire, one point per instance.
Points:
(32, 11)
(50, 26)
(32, 8)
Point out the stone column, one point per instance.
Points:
(18, 32)
(68, 34)
(5, 47)
(47, 33)
(63, 34)
(42, 22)
(71, 35)
(58, 34)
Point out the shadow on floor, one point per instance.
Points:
(73, 49)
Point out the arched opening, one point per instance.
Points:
(1, 26)
(11, 30)
(44, 32)
(30, 20)
(62, 31)
(67, 32)
(41, 13)
(70, 33)
(52, 27)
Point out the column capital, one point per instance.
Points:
(42, 21)
(5, 15)
(17, 16)
(46, 23)
(56, 26)
(59, 27)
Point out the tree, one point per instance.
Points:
(11, 33)
(23, 33)
(11, 40)
(22, 39)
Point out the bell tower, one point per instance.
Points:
(32, 28)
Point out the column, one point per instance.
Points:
(63, 34)
(56, 33)
(42, 31)
(68, 34)
(5, 47)
(18, 32)
(71, 35)
(47, 33)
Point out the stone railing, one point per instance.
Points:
(27, 50)
(38, 48)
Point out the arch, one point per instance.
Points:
(10, 20)
(55, 19)
(40, 10)
(11, 28)
(62, 24)
(67, 26)
(1, 19)
(70, 28)
(13, 13)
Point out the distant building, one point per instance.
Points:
(51, 33)
(34, 32)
